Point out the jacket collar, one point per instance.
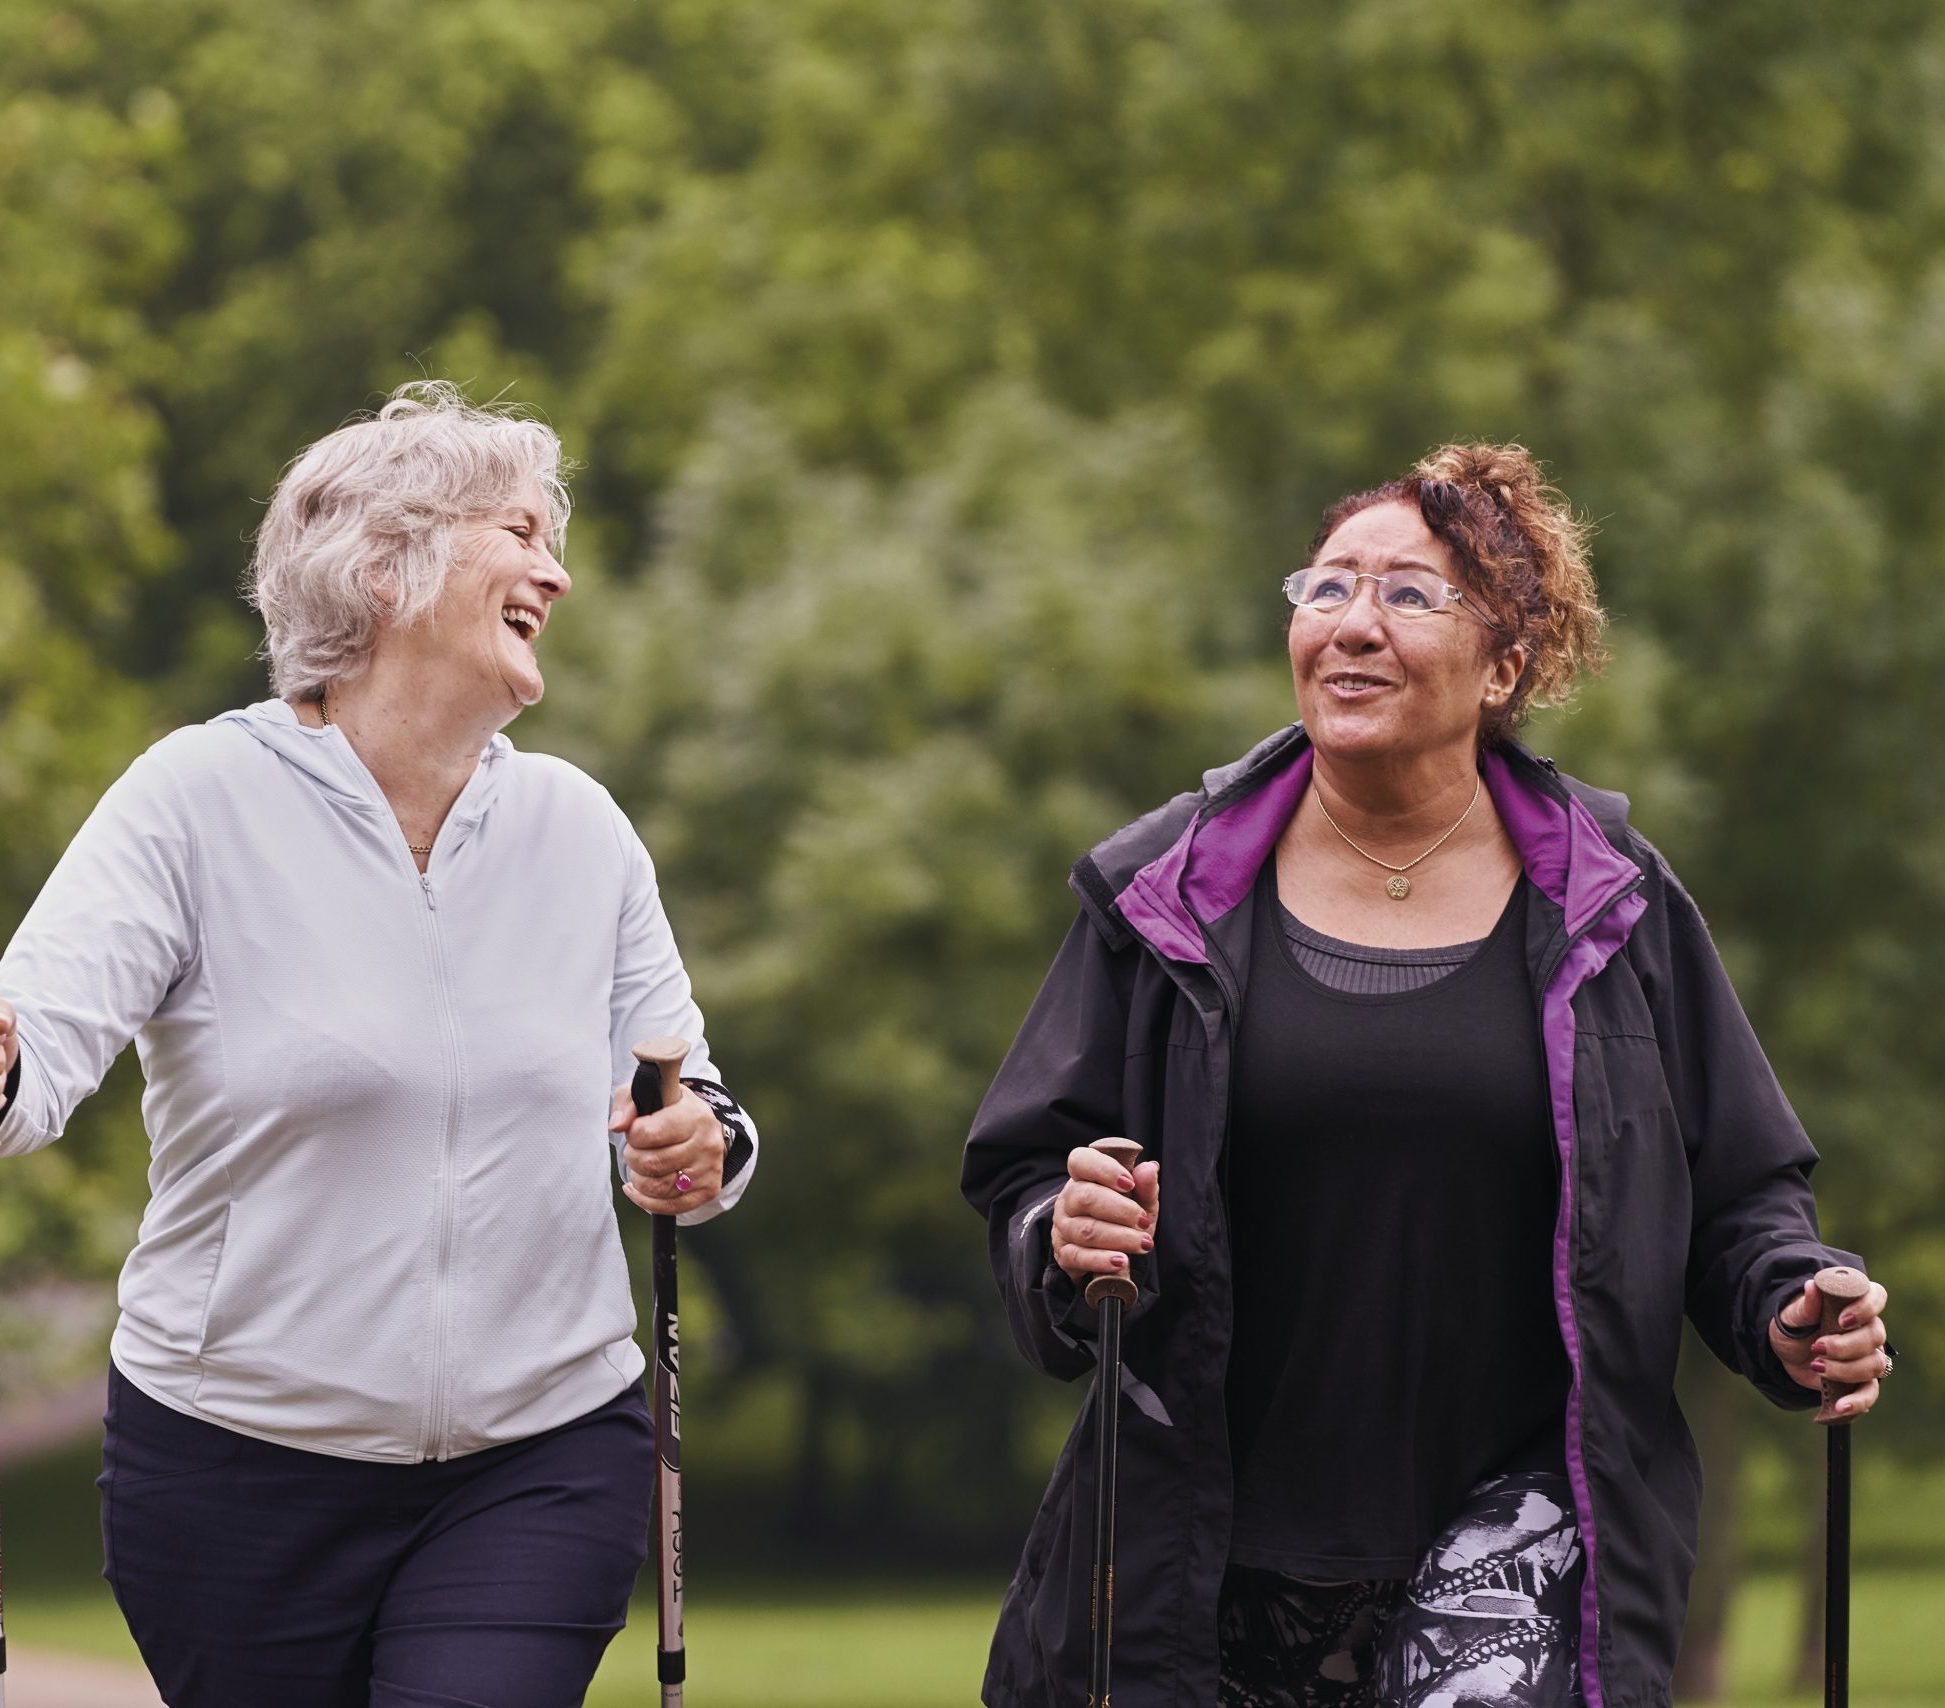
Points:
(1222, 836)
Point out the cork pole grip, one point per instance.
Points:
(665, 1057)
(1122, 1287)
(1839, 1289)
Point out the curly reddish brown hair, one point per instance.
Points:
(1522, 557)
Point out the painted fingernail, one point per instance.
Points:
(1142, 1220)
(1818, 1365)
(1126, 1183)
(1147, 1244)
(1818, 1348)
(1120, 1262)
(1847, 1320)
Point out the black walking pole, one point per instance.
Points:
(658, 1081)
(1107, 1294)
(1839, 1289)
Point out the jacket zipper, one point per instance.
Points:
(434, 1444)
(1230, 995)
(1567, 1184)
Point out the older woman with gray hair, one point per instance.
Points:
(375, 1429)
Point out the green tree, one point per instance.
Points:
(955, 381)
(869, 728)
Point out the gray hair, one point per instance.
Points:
(360, 529)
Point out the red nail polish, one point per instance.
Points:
(1141, 1221)
(1818, 1349)
(1120, 1262)
(1818, 1365)
(1147, 1245)
(1847, 1320)
(1126, 1183)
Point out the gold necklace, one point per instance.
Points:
(324, 711)
(1398, 886)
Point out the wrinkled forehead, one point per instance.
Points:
(1386, 536)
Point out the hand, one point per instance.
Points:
(683, 1137)
(1104, 1215)
(9, 1046)
(1853, 1354)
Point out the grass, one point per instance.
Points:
(1897, 1644)
(894, 1649)
(918, 1644)
(874, 1646)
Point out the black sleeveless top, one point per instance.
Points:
(1392, 1191)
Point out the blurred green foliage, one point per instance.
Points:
(954, 383)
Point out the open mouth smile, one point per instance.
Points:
(523, 621)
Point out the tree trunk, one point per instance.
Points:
(1713, 1400)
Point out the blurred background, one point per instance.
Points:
(954, 380)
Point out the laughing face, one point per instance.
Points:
(1379, 684)
(497, 598)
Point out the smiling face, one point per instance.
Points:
(1374, 684)
(495, 602)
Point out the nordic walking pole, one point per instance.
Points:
(1839, 1289)
(1107, 1294)
(657, 1082)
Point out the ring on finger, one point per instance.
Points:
(683, 1184)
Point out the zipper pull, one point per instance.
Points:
(425, 883)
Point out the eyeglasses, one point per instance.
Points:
(1404, 592)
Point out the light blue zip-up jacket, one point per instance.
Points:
(381, 1221)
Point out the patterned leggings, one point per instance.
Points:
(1489, 1620)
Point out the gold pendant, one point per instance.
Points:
(1398, 888)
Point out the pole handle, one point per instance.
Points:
(658, 1073)
(1839, 1288)
(1122, 1286)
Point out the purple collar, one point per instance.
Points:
(1211, 865)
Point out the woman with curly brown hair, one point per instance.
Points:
(1459, 1115)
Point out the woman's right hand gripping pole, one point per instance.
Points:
(1106, 1215)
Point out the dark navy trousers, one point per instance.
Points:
(260, 1576)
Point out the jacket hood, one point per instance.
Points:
(329, 760)
(1190, 862)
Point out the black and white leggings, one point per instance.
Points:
(1490, 1619)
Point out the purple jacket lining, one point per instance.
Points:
(1209, 869)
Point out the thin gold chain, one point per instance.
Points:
(1407, 866)
(423, 850)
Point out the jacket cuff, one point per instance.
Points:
(1073, 1318)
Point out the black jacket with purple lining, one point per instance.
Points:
(1683, 1188)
